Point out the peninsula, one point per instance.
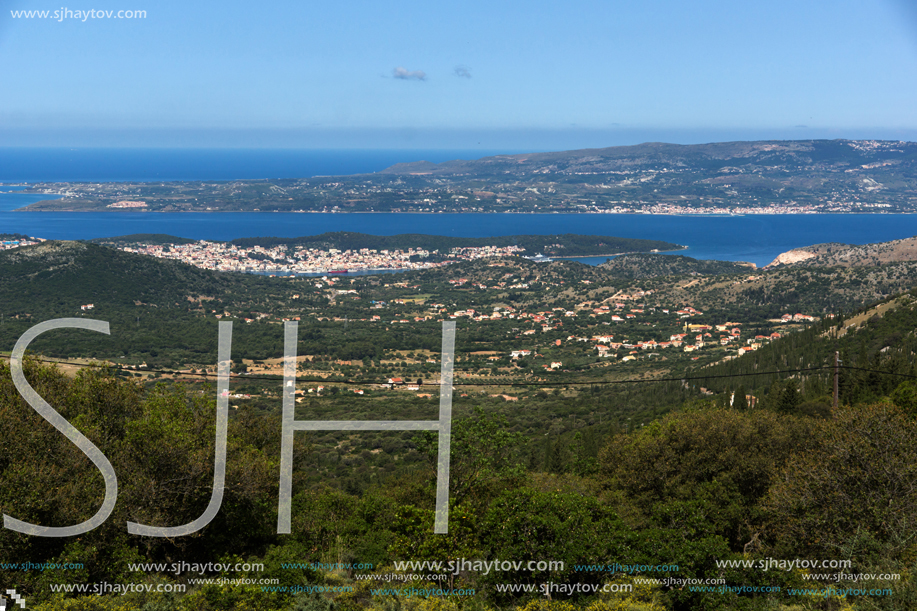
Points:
(767, 177)
(343, 251)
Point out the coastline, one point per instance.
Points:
(441, 212)
(757, 239)
(56, 203)
(618, 254)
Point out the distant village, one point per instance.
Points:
(619, 347)
(827, 207)
(285, 260)
(532, 343)
(695, 336)
(10, 244)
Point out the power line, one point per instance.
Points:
(269, 377)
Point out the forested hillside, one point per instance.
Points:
(650, 265)
(638, 455)
(702, 485)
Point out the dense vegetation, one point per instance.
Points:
(142, 238)
(648, 266)
(665, 460)
(703, 484)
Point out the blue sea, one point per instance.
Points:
(755, 238)
(19, 165)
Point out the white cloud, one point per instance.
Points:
(409, 75)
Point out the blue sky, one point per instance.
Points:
(500, 73)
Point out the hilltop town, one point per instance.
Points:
(298, 260)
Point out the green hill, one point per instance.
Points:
(70, 274)
(651, 265)
(154, 306)
(872, 339)
(142, 238)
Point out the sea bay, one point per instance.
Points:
(754, 238)
(29, 165)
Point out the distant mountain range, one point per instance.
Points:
(714, 158)
(799, 176)
(831, 175)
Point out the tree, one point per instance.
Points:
(162, 449)
(862, 481)
(485, 456)
(789, 398)
(905, 397)
(528, 525)
(724, 459)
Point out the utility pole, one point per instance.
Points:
(837, 361)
